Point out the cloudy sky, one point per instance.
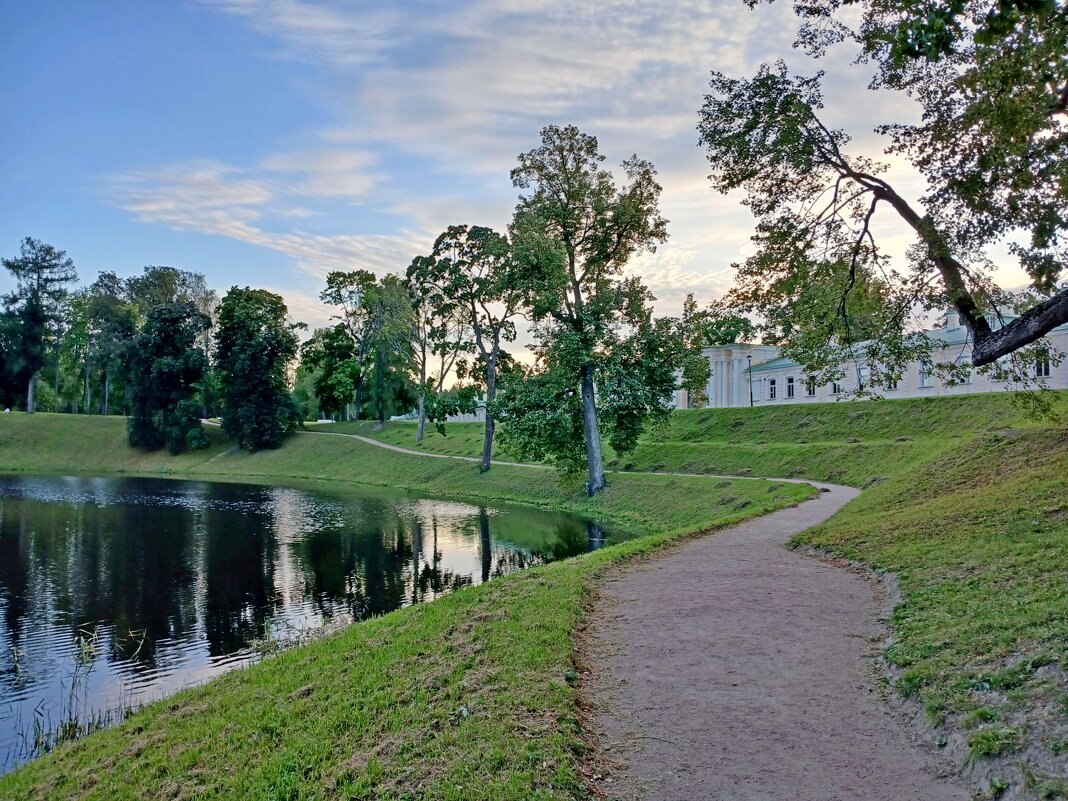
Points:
(267, 142)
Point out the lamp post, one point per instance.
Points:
(749, 358)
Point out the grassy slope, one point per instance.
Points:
(376, 711)
(971, 514)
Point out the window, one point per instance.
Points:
(863, 376)
(1042, 366)
(891, 383)
(810, 387)
(926, 376)
(790, 387)
(771, 389)
(836, 388)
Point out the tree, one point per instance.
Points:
(163, 366)
(254, 346)
(42, 274)
(439, 336)
(992, 83)
(571, 237)
(389, 337)
(331, 353)
(470, 269)
(354, 293)
(101, 322)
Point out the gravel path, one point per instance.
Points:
(734, 668)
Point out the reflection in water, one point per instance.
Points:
(117, 591)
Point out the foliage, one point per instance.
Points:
(571, 237)
(163, 365)
(470, 268)
(992, 84)
(255, 345)
(354, 293)
(41, 274)
(332, 354)
(391, 385)
(440, 334)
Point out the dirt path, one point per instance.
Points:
(733, 668)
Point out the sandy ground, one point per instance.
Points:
(734, 668)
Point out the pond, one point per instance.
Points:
(118, 591)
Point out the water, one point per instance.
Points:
(119, 591)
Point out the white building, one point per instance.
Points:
(738, 369)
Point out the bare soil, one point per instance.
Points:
(734, 668)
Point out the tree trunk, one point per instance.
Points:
(421, 428)
(107, 390)
(491, 424)
(594, 458)
(30, 388)
(88, 392)
(359, 398)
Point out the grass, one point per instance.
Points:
(970, 512)
(468, 697)
(967, 504)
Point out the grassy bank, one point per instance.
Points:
(847, 443)
(469, 697)
(967, 504)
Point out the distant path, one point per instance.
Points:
(411, 452)
(734, 669)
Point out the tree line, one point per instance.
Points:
(161, 342)
(432, 341)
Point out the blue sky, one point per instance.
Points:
(266, 142)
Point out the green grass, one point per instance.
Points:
(971, 514)
(460, 439)
(848, 443)
(377, 711)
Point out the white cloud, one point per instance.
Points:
(213, 198)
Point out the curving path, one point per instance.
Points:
(731, 668)
(734, 669)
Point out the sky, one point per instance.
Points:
(268, 142)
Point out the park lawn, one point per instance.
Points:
(459, 439)
(471, 696)
(967, 505)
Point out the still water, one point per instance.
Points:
(118, 591)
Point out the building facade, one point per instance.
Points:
(758, 375)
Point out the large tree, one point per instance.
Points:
(572, 235)
(991, 80)
(389, 335)
(42, 274)
(354, 292)
(254, 346)
(100, 324)
(163, 367)
(330, 352)
(470, 270)
(440, 334)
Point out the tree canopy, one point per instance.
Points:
(163, 367)
(255, 344)
(469, 269)
(992, 83)
(42, 274)
(600, 357)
